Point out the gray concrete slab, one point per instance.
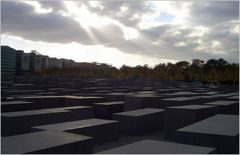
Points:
(82, 100)
(46, 142)
(180, 116)
(116, 96)
(236, 97)
(138, 101)
(140, 121)
(9, 106)
(220, 131)
(26, 119)
(23, 92)
(226, 107)
(176, 101)
(47, 93)
(53, 101)
(179, 99)
(158, 147)
(105, 110)
(100, 129)
(182, 93)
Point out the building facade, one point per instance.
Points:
(16, 62)
(8, 62)
(69, 63)
(25, 63)
(44, 62)
(55, 63)
(19, 54)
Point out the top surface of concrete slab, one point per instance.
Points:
(75, 124)
(222, 95)
(110, 103)
(62, 96)
(119, 93)
(179, 99)
(193, 107)
(32, 112)
(206, 96)
(35, 141)
(146, 92)
(81, 97)
(76, 107)
(221, 102)
(140, 112)
(40, 96)
(57, 88)
(159, 147)
(15, 102)
(217, 125)
(211, 93)
(41, 111)
(182, 93)
(233, 97)
(24, 84)
(144, 95)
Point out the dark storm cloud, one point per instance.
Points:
(20, 19)
(155, 32)
(214, 12)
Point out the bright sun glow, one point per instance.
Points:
(170, 13)
(84, 17)
(87, 19)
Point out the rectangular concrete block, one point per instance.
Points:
(176, 101)
(220, 131)
(100, 129)
(24, 92)
(140, 121)
(48, 101)
(117, 96)
(139, 101)
(226, 107)
(82, 100)
(180, 116)
(159, 147)
(105, 110)
(45, 142)
(20, 122)
(63, 101)
(235, 98)
(10, 106)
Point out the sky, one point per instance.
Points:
(123, 32)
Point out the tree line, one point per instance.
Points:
(198, 70)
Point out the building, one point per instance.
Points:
(25, 63)
(38, 62)
(34, 62)
(19, 54)
(16, 62)
(44, 62)
(8, 62)
(55, 63)
(69, 63)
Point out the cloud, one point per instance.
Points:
(126, 12)
(214, 12)
(195, 30)
(20, 19)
